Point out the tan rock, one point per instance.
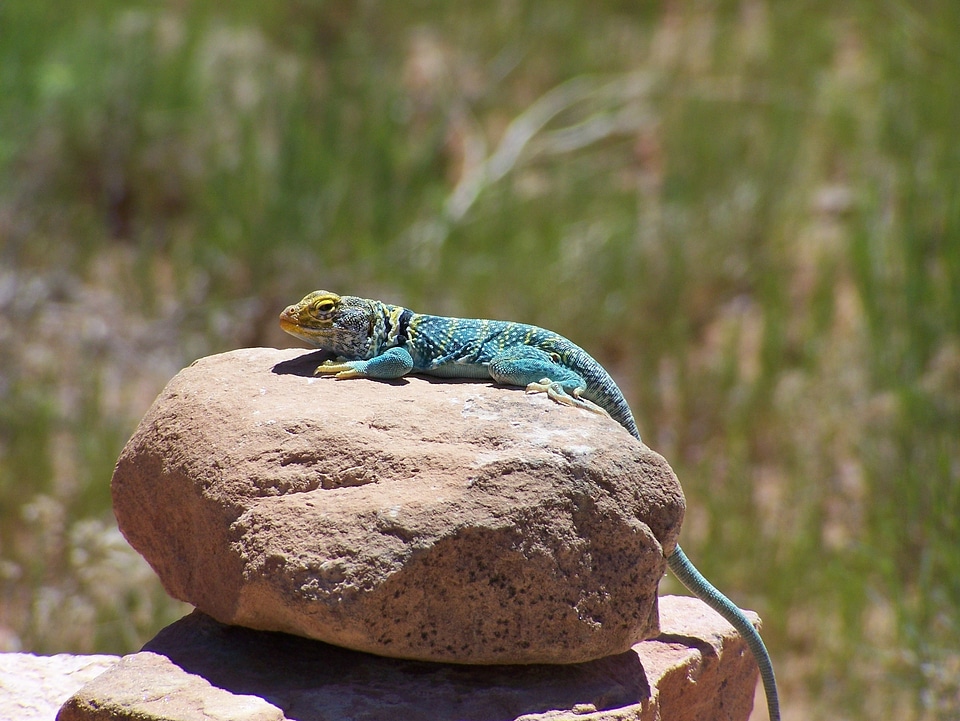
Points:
(32, 687)
(702, 671)
(199, 670)
(442, 521)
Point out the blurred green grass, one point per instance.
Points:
(748, 211)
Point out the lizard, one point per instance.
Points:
(372, 339)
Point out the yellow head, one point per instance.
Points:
(344, 325)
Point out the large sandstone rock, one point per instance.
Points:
(199, 670)
(442, 521)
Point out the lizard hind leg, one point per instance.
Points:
(540, 372)
(556, 391)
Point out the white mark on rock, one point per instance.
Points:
(471, 409)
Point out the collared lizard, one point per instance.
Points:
(377, 340)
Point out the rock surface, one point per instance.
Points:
(32, 688)
(199, 670)
(420, 519)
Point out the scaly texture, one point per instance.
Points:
(378, 340)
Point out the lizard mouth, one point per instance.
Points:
(289, 320)
(292, 321)
(289, 326)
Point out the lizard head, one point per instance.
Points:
(340, 324)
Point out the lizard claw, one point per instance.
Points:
(337, 370)
(555, 391)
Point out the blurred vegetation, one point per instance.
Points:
(748, 211)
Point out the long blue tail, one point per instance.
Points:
(701, 588)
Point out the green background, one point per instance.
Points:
(748, 211)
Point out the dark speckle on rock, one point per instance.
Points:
(391, 521)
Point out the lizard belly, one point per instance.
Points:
(457, 370)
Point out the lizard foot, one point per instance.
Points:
(338, 370)
(392, 363)
(555, 391)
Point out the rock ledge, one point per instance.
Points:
(199, 670)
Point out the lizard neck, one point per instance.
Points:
(391, 327)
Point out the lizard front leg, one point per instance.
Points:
(541, 372)
(392, 363)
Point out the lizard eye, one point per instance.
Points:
(325, 306)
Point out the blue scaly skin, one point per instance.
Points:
(379, 340)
